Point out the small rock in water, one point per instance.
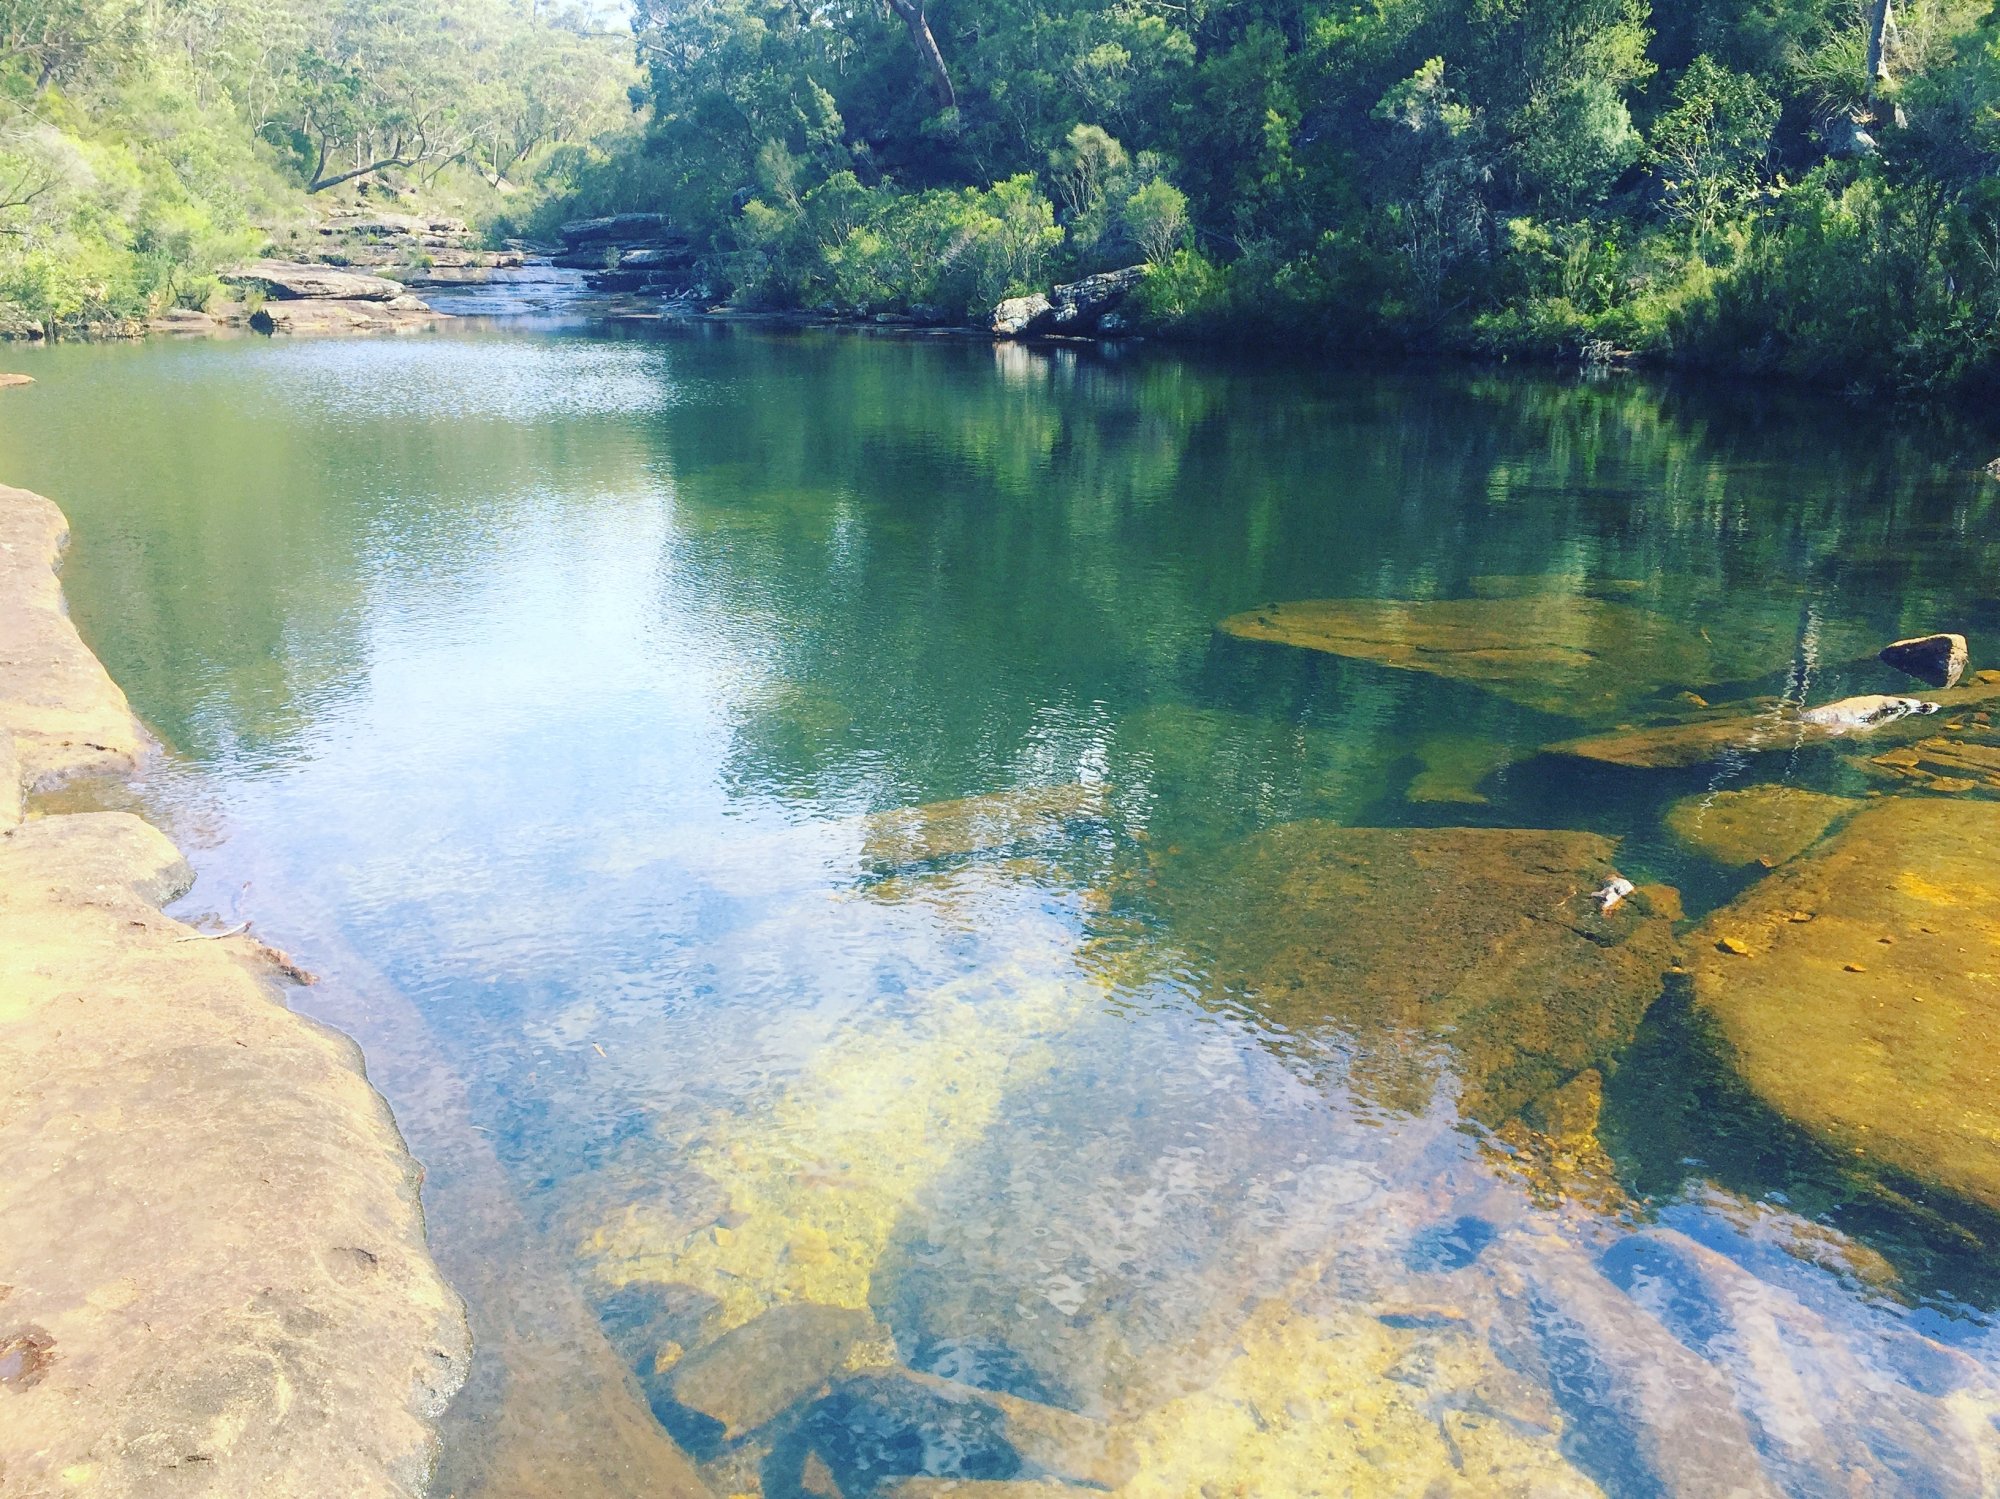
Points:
(1865, 712)
(1936, 659)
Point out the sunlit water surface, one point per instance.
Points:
(544, 692)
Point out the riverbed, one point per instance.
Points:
(902, 963)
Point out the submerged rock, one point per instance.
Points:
(1936, 659)
(756, 1372)
(1557, 653)
(7, 380)
(1473, 952)
(1767, 725)
(1873, 1024)
(1455, 765)
(1945, 765)
(1756, 824)
(996, 822)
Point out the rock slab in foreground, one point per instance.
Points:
(213, 1277)
(1859, 994)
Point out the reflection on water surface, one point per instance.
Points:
(889, 992)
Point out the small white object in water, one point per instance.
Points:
(1613, 893)
(1866, 712)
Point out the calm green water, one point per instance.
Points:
(543, 690)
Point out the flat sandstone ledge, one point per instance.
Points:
(213, 1278)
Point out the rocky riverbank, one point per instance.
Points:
(214, 1278)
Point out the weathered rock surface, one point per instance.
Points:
(213, 1279)
(211, 1216)
(1475, 951)
(1562, 654)
(1856, 992)
(402, 315)
(1936, 659)
(616, 229)
(293, 281)
(756, 1372)
(1952, 766)
(1755, 824)
(60, 712)
(1079, 308)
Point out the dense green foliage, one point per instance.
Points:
(1801, 185)
(146, 143)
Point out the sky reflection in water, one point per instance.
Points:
(546, 693)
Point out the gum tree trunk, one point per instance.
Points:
(912, 14)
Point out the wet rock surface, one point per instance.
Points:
(1768, 726)
(1475, 953)
(1755, 824)
(1855, 992)
(1561, 654)
(214, 1279)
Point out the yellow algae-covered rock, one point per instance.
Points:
(58, 705)
(1560, 654)
(1949, 765)
(1876, 1023)
(1755, 824)
(1454, 767)
(816, 1180)
(1472, 953)
(1328, 1405)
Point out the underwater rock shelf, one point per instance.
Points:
(214, 1278)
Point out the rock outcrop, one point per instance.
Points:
(1936, 659)
(292, 280)
(214, 1279)
(628, 252)
(1854, 991)
(325, 299)
(1085, 308)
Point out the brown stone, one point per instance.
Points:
(59, 709)
(1936, 659)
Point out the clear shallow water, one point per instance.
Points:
(565, 699)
